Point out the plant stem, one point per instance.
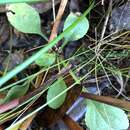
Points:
(51, 44)
(64, 44)
(107, 100)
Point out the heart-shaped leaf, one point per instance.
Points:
(24, 18)
(16, 92)
(100, 116)
(55, 89)
(46, 59)
(79, 31)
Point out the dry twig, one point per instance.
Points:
(58, 19)
(108, 100)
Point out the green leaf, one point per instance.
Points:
(46, 59)
(100, 116)
(79, 31)
(55, 89)
(24, 18)
(19, 1)
(16, 92)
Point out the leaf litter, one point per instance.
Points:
(25, 28)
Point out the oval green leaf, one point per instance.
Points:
(79, 31)
(46, 59)
(24, 18)
(16, 92)
(54, 90)
(100, 116)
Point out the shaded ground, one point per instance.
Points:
(107, 43)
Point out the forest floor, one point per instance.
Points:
(95, 66)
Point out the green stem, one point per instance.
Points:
(76, 79)
(64, 44)
(20, 1)
(44, 105)
(51, 44)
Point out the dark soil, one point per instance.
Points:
(15, 47)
